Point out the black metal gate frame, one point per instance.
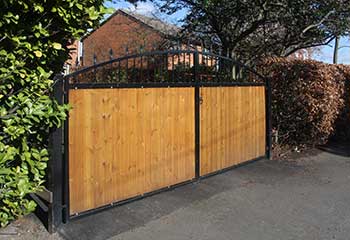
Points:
(58, 210)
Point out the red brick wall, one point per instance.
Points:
(118, 33)
(73, 55)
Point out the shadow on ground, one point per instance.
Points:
(114, 221)
(305, 197)
(337, 148)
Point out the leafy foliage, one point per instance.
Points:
(34, 35)
(309, 100)
(342, 129)
(250, 30)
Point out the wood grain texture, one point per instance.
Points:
(232, 126)
(127, 142)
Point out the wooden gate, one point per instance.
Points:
(144, 123)
(232, 126)
(127, 142)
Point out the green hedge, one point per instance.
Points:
(33, 39)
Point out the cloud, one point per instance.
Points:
(144, 8)
(149, 9)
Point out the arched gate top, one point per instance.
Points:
(172, 67)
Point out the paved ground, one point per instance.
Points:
(305, 198)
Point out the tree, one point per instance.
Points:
(336, 49)
(250, 30)
(33, 36)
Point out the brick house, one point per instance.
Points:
(73, 62)
(126, 32)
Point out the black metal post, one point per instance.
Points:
(65, 172)
(197, 113)
(56, 167)
(268, 95)
(49, 208)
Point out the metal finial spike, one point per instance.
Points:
(95, 59)
(111, 53)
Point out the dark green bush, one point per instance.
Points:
(33, 39)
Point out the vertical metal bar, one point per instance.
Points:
(195, 66)
(148, 69)
(183, 75)
(189, 54)
(127, 64)
(167, 66)
(127, 70)
(95, 59)
(172, 68)
(188, 79)
(158, 63)
(119, 71)
(66, 157)
(95, 62)
(179, 66)
(55, 169)
(110, 54)
(268, 100)
(141, 72)
(197, 114)
(134, 68)
(111, 72)
(217, 68)
(204, 57)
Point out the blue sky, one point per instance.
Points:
(148, 8)
(325, 53)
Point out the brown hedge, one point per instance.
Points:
(309, 101)
(342, 124)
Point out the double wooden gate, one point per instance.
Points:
(127, 142)
(145, 123)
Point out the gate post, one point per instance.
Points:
(49, 201)
(55, 176)
(197, 102)
(268, 93)
(65, 161)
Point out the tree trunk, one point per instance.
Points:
(336, 50)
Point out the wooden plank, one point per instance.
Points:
(232, 126)
(127, 142)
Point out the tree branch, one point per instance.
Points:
(317, 24)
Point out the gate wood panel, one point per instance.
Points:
(127, 142)
(232, 126)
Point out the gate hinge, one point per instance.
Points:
(200, 100)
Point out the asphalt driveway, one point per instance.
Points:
(304, 198)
